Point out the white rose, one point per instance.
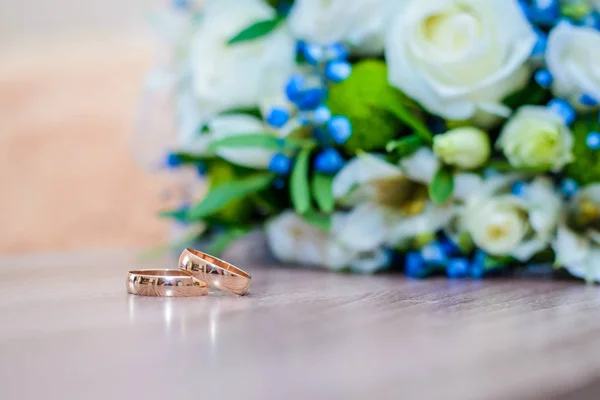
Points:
(465, 147)
(457, 57)
(239, 75)
(503, 224)
(359, 23)
(577, 243)
(536, 137)
(293, 240)
(574, 61)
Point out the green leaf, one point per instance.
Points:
(492, 262)
(405, 146)
(442, 185)
(219, 244)
(256, 30)
(299, 190)
(321, 190)
(411, 120)
(190, 158)
(321, 221)
(222, 195)
(263, 140)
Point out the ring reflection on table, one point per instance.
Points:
(164, 283)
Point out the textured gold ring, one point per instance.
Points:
(215, 272)
(164, 283)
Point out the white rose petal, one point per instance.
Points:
(358, 22)
(574, 60)
(420, 166)
(536, 137)
(241, 75)
(458, 58)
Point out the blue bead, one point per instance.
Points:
(544, 12)
(540, 45)
(329, 161)
(478, 265)
(321, 115)
(593, 140)
(544, 78)
(201, 169)
(433, 254)
(414, 265)
(457, 268)
(524, 4)
(313, 53)
(173, 160)
(338, 71)
(519, 188)
(337, 51)
(181, 4)
(294, 87)
(310, 99)
(588, 100)
(591, 20)
(340, 129)
(563, 109)
(280, 164)
(278, 117)
(449, 246)
(569, 187)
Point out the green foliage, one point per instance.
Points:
(585, 168)
(405, 146)
(442, 185)
(299, 189)
(255, 31)
(261, 140)
(371, 104)
(321, 221)
(227, 193)
(321, 190)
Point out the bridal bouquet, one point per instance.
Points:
(452, 136)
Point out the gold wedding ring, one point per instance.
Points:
(165, 283)
(215, 272)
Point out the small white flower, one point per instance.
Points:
(536, 137)
(293, 240)
(464, 147)
(503, 224)
(574, 61)
(459, 57)
(577, 243)
(240, 75)
(391, 204)
(359, 23)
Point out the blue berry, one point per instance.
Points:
(588, 100)
(591, 20)
(433, 253)
(293, 87)
(414, 265)
(593, 140)
(280, 164)
(563, 109)
(457, 268)
(569, 187)
(313, 53)
(201, 169)
(310, 99)
(321, 115)
(540, 45)
(519, 188)
(544, 78)
(544, 12)
(278, 117)
(340, 129)
(329, 161)
(338, 71)
(173, 160)
(337, 51)
(478, 265)
(449, 246)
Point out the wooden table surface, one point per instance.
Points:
(70, 331)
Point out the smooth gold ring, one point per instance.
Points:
(164, 283)
(215, 272)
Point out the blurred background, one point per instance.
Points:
(70, 83)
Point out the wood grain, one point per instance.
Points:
(70, 331)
